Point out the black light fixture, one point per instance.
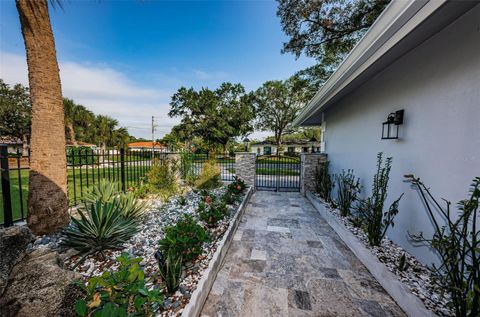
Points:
(313, 140)
(245, 144)
(390, 127)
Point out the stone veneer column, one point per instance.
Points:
(245, 167)
(309, 162)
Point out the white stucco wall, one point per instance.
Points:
(438, 85)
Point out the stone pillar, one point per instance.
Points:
(174, 163)
(245, 167)
(309, 163)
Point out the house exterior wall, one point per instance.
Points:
(297, 148)
(438, 85)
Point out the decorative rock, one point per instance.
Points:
(13, 245)
(37, 286)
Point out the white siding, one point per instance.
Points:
(438, 85)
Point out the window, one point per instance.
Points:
(305, 149)
(267, 150)
(291, 149)
(258, 150)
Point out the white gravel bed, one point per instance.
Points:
(416, 276)
(145, 243)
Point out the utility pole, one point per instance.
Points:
(153, 135)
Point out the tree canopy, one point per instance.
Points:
(278, 103)
(326, 30)
(15, 111)
(217, 116)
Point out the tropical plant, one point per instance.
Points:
(212, 213)
(184, 239)
(209, 177)
(121, 292)
(348, 188)
(457, 242)
(47, 186)
(323, 181)
(375, 221)
(170, 270)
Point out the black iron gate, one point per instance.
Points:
(278, 173)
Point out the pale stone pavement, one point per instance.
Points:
(285, 260)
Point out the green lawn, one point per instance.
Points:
(276, 171)
(84, 179)
(273, 159)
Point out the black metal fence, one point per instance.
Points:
(279, 173)
(87, 167)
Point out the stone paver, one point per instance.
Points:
(285, 260)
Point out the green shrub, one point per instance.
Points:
(209, 177)
(212, 213)
(106, 220)
(323, 181)
(170, 270)
(161, 179)
(375, 221)
(457, 242)
(348, 188)
(119, 293)
(237, 186)
(141, 191)
(187, 167)
(184, 239)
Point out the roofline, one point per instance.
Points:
(397, 20)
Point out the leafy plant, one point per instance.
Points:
(237, 186)
(323, 181)
(348, 188)
(161, 179)
(458, 244)
(209, 177)
(187, 167)
(170, 270)
(212, 213)
(119, 293)
(375, 221)
(107, 219)
(184, 239)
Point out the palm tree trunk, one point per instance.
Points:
(47, 196)
(71, 134)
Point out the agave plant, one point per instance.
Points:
(101, 225)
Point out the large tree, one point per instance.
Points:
(278, 103)
(216, 116)
(326, 30)
(15, 113)
(47, 195)
(77, 119)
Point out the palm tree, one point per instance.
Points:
(72, 112)
(47, 197)
(105, 126)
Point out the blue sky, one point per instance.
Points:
(126, 58)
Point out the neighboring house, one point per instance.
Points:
(288, 147)
(13, 145)
(422, 57)
(147, 145)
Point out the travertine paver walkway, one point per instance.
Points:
(285, 260)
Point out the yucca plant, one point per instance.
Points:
(101, 225)
(170, 270)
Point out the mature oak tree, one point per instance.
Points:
(326, 30)
(278, 103)
(216, 116)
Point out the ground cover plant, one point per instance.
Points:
(457, 242)
(121, 292)
(211, 213)
(370, 210)
(170, 269)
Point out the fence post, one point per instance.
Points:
(7, 200)
(122, 168)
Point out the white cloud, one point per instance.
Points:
(103, 90)
(203, 75)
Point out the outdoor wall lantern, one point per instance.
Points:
(313, 141)
(245, 144)
(390, 127)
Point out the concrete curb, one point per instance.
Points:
(401, 294)
(199, 296)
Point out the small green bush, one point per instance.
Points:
(81, 155)
(237, 186)
(347, 193)
(170, 269)
(209, 177)
(212, 213)
(161, 179)
(184, 239)
(119, 293)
